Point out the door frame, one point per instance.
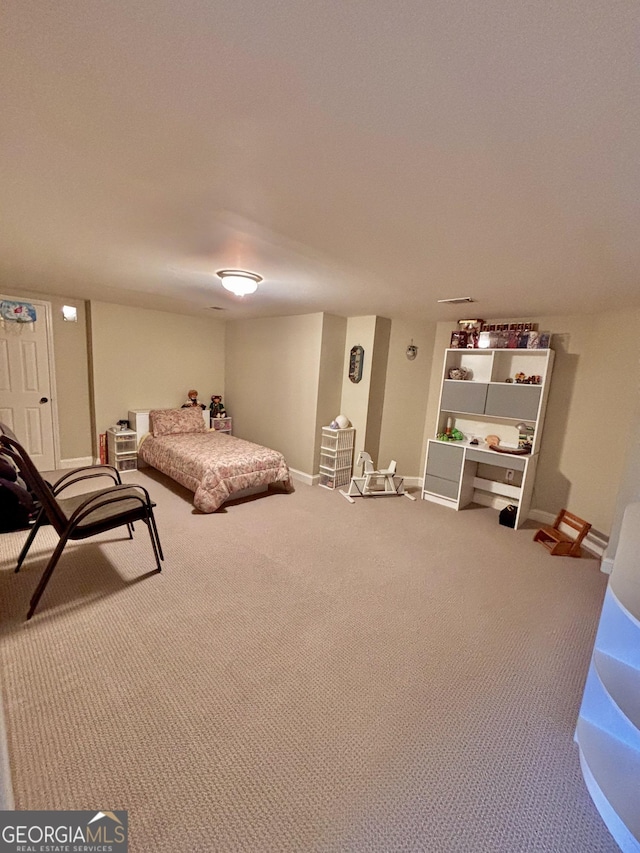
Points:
(51, 367)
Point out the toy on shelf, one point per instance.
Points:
(340, 422)
(453, 435)
(523, 379)
(525, 436)
(216, 407)
(192, 401)
(375, 482)
(450, 433)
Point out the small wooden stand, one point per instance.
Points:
(559, 543)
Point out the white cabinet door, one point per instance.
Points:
(513, 401)
(461, 396)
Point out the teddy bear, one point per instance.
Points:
(217, 408)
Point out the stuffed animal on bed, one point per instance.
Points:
(217, 409)
(192, 400)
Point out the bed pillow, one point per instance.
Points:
(175, 421)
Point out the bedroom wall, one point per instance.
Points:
(257, 372)
(144, 359)
(378, 382)
(590, 421)
(629, 491)
(405, 397)
(361, 331)
(71, 370)
(334, 331)
(272, 383)
(590, 413)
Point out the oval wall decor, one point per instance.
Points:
(355, 363)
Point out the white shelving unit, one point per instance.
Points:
(336, 457)
(608, 727)
(485, 403)
(122, 447)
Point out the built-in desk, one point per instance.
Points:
(458, 473)
(501, 392)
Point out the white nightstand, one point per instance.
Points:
(222, 425)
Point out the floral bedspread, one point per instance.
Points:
(215, 465)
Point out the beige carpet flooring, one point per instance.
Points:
(306, 675)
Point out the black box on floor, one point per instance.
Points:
(508, 516)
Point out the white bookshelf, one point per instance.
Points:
(488, 401)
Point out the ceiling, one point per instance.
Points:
(364, 157)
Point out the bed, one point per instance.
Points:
(215, 466)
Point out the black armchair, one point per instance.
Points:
(80, 516)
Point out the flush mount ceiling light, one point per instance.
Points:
(240, 282)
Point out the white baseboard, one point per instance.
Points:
(606, 565)
(307, 479)
(541, 516)
(412, 481)
(80, 462)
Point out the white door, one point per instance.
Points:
(26, 372)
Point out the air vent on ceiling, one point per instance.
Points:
(215, 308)
(456, 300)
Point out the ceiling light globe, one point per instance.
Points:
(239, 282)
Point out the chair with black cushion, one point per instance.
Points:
(37, 516)
(80, 516)
(17, 506)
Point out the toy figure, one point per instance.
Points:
(217, 408)
(192, 400)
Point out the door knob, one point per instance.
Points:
(44, 399)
